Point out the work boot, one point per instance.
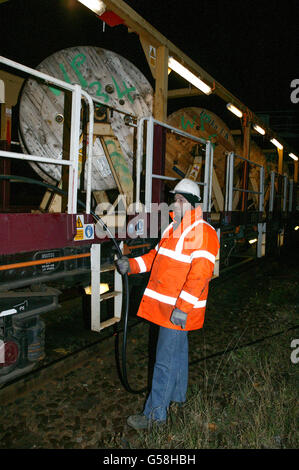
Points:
(142, 422)
(138, 422)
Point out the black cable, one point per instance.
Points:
(121, 370)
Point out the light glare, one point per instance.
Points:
(189, 76)
(259, 129)
(97, 6)
(277, 144)
(103, 288)
(233, 109)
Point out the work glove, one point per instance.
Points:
(178, 317)
(122, 265)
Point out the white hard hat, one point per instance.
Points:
(186, 186)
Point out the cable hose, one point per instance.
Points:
(122, 370)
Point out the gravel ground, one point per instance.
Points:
(87, 407)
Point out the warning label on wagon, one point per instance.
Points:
(84, 231)
(80, 221)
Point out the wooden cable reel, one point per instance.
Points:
(112, 79)
(186, 158)
(183, 155)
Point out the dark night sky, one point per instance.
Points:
(249, 46)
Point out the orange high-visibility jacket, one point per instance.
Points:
(181, 267)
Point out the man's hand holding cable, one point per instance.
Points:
(178, 317)
(122, 265)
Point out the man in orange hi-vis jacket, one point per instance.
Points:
(181, 267)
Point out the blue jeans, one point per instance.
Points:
(170, 377)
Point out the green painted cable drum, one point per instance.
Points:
(109, 77)
(180, 153)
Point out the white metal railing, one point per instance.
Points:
(291, 195)
(88, 163)
(285, 188)
(287, 202)
(272, 191)
(72, 163)
(149, 176)
(230, 188)
(287, 195)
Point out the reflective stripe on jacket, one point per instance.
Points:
(181, 267)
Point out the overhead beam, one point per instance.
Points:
(184, 93)
(280, 160)
(272, 150)
(239, 132)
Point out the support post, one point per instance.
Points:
(95, 263)
(5, 120)
(262, 190)
(5, 165)
(280, 160)
(74, 150)
(161, 90)
(66, 148)
(285, 190)
(118, 286)
(149, 165)
(246, 152)
(272, 192)
(230, 176)
(291, 190)
(261, 243)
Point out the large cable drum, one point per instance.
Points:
(109, 77)
(181, 154)
(200, 122)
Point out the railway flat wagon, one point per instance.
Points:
(103, 155)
